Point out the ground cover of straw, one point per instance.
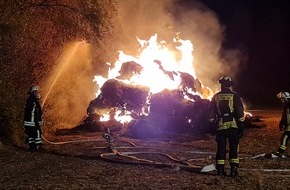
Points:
(73, 162)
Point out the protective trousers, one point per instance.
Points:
(230, 135)
(33, 137)
(283, 142)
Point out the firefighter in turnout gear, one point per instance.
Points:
(33, 119)
(226, 117)
(284, 124)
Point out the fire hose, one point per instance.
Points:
(69, 142)
(130, 158)
(177, 163)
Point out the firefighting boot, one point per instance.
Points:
(31, 147)
(280, 153)
(276, 154)
(234, 171)
(39, 148)
(221, 170)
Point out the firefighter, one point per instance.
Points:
(284, 124)
(33, 119)
(226, 117)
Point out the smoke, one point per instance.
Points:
(68, 92)
(143, 19)
(70, 88)
(194, 21)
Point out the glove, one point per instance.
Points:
(241, 127)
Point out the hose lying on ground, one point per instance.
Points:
(177, 164)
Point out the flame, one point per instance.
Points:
(161, 67)
(156, 75)
(122, 116)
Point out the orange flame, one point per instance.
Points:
(161, 68)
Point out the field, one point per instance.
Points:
(84, 161)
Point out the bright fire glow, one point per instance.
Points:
(152, 76)
(161, 67)
(119, 116)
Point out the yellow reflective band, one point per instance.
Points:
(227, 125)
(283, 147)
(234, 160)
(221, 162)
(227, 97)
(242, 119)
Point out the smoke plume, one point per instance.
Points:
(171, 18)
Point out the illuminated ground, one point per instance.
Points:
(77, 165)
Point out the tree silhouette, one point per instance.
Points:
(33, 34)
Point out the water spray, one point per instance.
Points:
(64, 64)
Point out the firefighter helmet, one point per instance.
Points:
(285, 95)
(33, 88)
(226, 81)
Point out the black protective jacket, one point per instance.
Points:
(226, 109)
(285, 118)
(33, 112)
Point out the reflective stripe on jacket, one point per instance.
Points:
(33, 112)
(227, 109)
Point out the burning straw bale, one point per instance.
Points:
(169, 111)
(144, 128)
(117, 93)
(174, 113)
(114, 96)
(188, 81)
(129, 69)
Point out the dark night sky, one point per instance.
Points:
(260, 30)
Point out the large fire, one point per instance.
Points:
(161, 66)
(158, 67)
(151, 93)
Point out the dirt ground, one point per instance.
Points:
(84, 161)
